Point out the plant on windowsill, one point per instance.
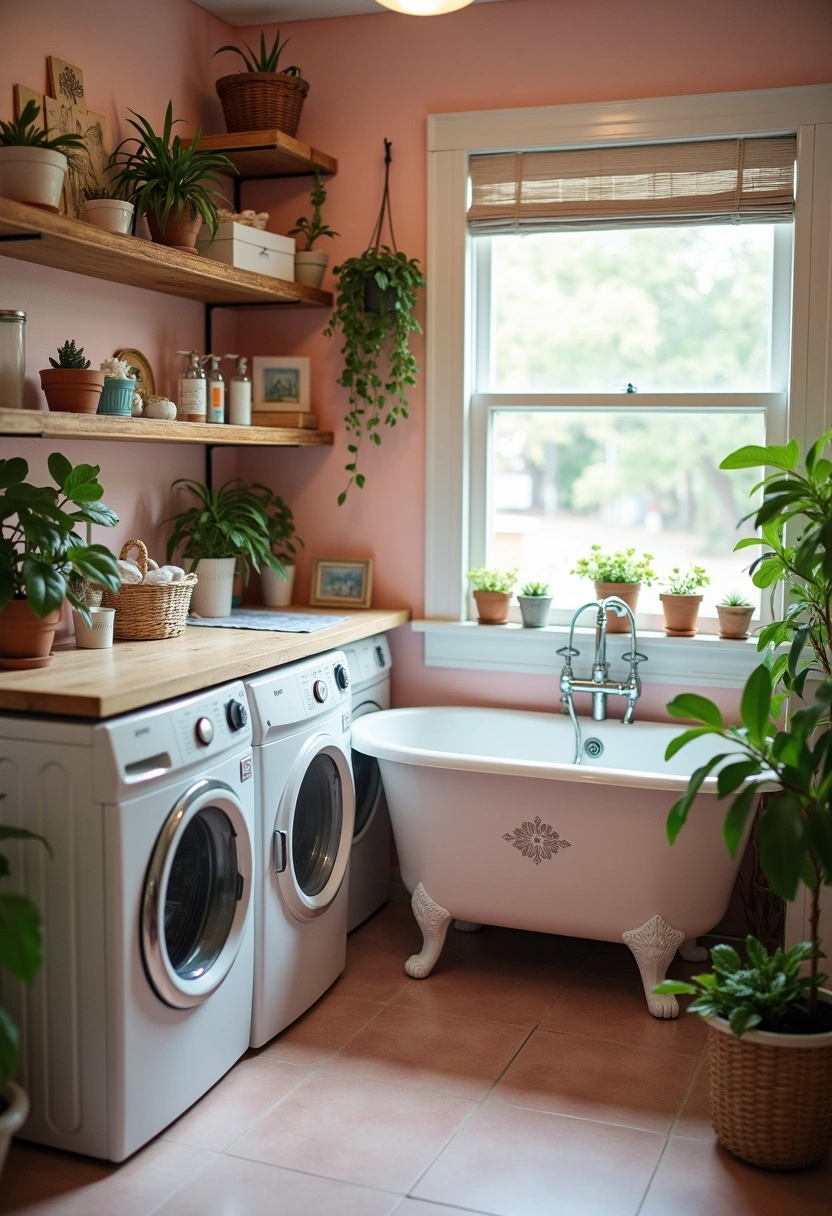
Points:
(620, 573)
(310, 264)
(770, 1030)
(264, 96)
(40, 551)
(492, 593)
(535, 602)
(735, 613)
(33, 164)
(69, 384)
(278, 586)
(681, 599)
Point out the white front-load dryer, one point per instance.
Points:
(304, 810)
(369, 666)
(144, 998)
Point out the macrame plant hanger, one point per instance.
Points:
(375, 240)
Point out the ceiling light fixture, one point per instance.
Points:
(424, 8)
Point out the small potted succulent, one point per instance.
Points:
(119, 386)
(278, 585)
(264, 96)
(40, 552)
(735, 613)
(33, 165)
(681, 599)
(310, 264)
(69, 384)
(535, 601)
(225, 526)
(620, 573)
(492, 593)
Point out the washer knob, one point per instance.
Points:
(204, 731)
(342, 678)
(236, 714)
(320, 691)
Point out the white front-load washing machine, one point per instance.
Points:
(369, 667)
(144, 997)
(305, 806)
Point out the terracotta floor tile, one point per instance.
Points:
(569, 1075)
(452, 1055)
(617, 1012)
(374, 971)
(394, 923)
(244, 1094)
(356, 1130)
(328, 1025)
(234, 1187)
(513, 1162)
(494, 989)
(44, 1182)
(697, 1178)
(694, 1119)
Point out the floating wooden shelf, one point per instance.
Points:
(21, 423)
(32, 235)
(269, 154)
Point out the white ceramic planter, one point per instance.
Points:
(98, 635)
(111, 214)
(32, 175)
(310, 266)
(534, 609)
(213, 593)
(277, 591)
(12, 1118)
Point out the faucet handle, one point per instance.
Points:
(568, 652)
(634, 658)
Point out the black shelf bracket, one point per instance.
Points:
(209, 465)
(22, 236)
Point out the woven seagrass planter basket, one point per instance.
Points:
(149, 613)
(771, 1095)
(258, 101)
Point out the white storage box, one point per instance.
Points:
(250, 249)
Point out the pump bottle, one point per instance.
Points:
(239, 394)
(216, 390)
(192, 398)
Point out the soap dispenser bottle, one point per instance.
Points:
(216, 390)
(239, 393)
(193, 395)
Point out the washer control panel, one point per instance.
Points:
(298, 693)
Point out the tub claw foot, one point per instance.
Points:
(653, 946)
(433, 920)
(692, 952)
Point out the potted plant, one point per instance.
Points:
(734, 612)
(104, 205)
(681, 599)
(69, 385)
(492, 593)
(40, 551)
(620, 573)
(278, 585)
(264, 96)
(535, 601)
(310, 263)
(33, 165)
(225, 525)
(171, 182)
(119, 386)
(21, 953)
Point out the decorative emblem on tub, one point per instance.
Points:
(536, 840)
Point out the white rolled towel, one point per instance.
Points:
(164, 574)
(176, 573)
(129, 571)
(151, 565)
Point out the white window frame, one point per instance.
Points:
(455, 415)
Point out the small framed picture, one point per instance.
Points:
(341, 584)
(281, 383)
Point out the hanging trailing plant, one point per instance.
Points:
(374, 309)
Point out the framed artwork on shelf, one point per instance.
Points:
(281, 382)
(344, 583)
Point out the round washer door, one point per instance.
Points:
(315, 819)
(367, 777)
(196, 895)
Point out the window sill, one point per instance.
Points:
(703, 661)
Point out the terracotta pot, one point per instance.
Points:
(492, 607)
(680, 613)
(734, 621)
(71, 390)
(310, 265)
(178, 233)
(628, 592)
(14, 1109)
(23, 636)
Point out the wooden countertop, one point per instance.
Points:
(101, 683)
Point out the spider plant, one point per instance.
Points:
(268, 60)
(23, 133)
(164, 175)
(229, 522)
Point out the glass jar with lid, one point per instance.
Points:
(12, 358)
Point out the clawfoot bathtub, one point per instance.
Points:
(494, 824)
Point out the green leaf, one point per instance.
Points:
(755, 705)
(742, 1020)
(691, 705)
(7, 832)
(9, 1047)
(752, 456)
(679, 811)
(782, 839)
(21, 950)
(45, 587)
(725, 959)
(675, 988)
(676, 744)
(59, 467)
(733, 826)
(732, 776)
(12, 472)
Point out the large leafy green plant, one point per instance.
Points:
(24, 132)
(267, 60)
(281, 522)
(163, 175)
(229, 522)
(39, 548)
(376, 324)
